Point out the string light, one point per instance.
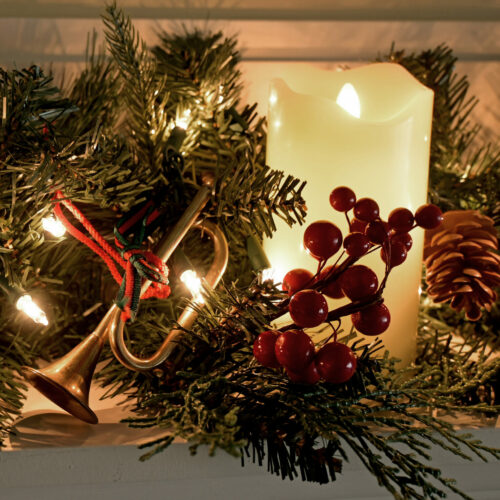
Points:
(273, 274)
(26, 305)
(209, 94)
(268, 274)
(193, 283)
(182, 121)
(53, 226)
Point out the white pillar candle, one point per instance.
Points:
(367, 128)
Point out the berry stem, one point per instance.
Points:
(318, 285)
(348, 222)
(346, 310)
(334, 334)
(321, 265)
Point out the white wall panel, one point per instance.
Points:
(479, 10)
(268, 44)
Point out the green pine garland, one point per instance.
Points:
(104, 141)
(462, 175)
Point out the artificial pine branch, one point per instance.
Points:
(462, 174)
(145, 95)
(372, 415)
(15, 351)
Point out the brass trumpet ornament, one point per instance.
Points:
(67, 380)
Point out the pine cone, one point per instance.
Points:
(462, 264)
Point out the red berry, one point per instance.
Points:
(398, 254)
(296, 280)
(308, 375)
(428, 216)
(263, 349)
(359, 282)
(403, 238)
(356, 244)
(336, 362)
(377, 231)
(294, 349)
(342, 199)
(366, 209)
(322, 239)
(332, 288)
(373, 320)
(401, 220)
(308, 308)
(358, 226)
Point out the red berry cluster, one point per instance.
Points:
(307, 306)
(294, 350)
(367, 228)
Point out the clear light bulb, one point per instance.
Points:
(193, 283)
(26, 305)
(183, 120)
(53, 226)
(268, 274)
(274, 274)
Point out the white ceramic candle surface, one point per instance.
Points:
(367, 128)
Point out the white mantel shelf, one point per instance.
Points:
(53, 456)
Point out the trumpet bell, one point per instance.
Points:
(66, 382)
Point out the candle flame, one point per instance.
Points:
(53, 226)
(193, 283)
(348, 100)
(27, 306)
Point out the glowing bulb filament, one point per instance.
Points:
(53, 226)
(268, 274)
(27, 306)
(183, 120)
(193, 283)
(273, 274)
(348, 100)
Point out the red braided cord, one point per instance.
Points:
(109, 254)
(138, 216)
(88, 226)
(91, 244)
